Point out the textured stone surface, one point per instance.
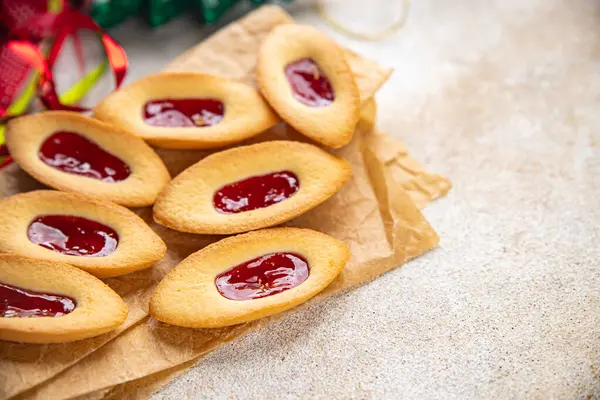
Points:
(503, 97)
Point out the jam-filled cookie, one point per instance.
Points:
(74, 153)
(49, 302)
(247, 277)
(97, 236)
(304, 76)
(250, 187)
(188, 110)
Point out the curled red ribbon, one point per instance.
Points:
(60, 26)
(24, 39)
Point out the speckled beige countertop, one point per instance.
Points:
(503, 97)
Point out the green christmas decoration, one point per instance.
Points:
(108, 13)
(213, 9)
(160, 11)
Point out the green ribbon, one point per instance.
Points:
(71, 96)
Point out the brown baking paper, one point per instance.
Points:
(399, 168)
(379, 222)
(23, 366)
(393, 202)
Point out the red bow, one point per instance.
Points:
(26, 23)
(24, 38)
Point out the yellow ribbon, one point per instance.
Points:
(70, 96)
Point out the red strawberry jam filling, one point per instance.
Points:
(73, 236)
(75, 154)
(263, 276)
(16, 302)
(183, 112)
(256, 192)
(309, 84)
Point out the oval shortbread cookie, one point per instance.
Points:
(250, 187)
(247, 277)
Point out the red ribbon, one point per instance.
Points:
(60, 27)
(14, 71)
(28, 22)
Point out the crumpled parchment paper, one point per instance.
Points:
(376, 214)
